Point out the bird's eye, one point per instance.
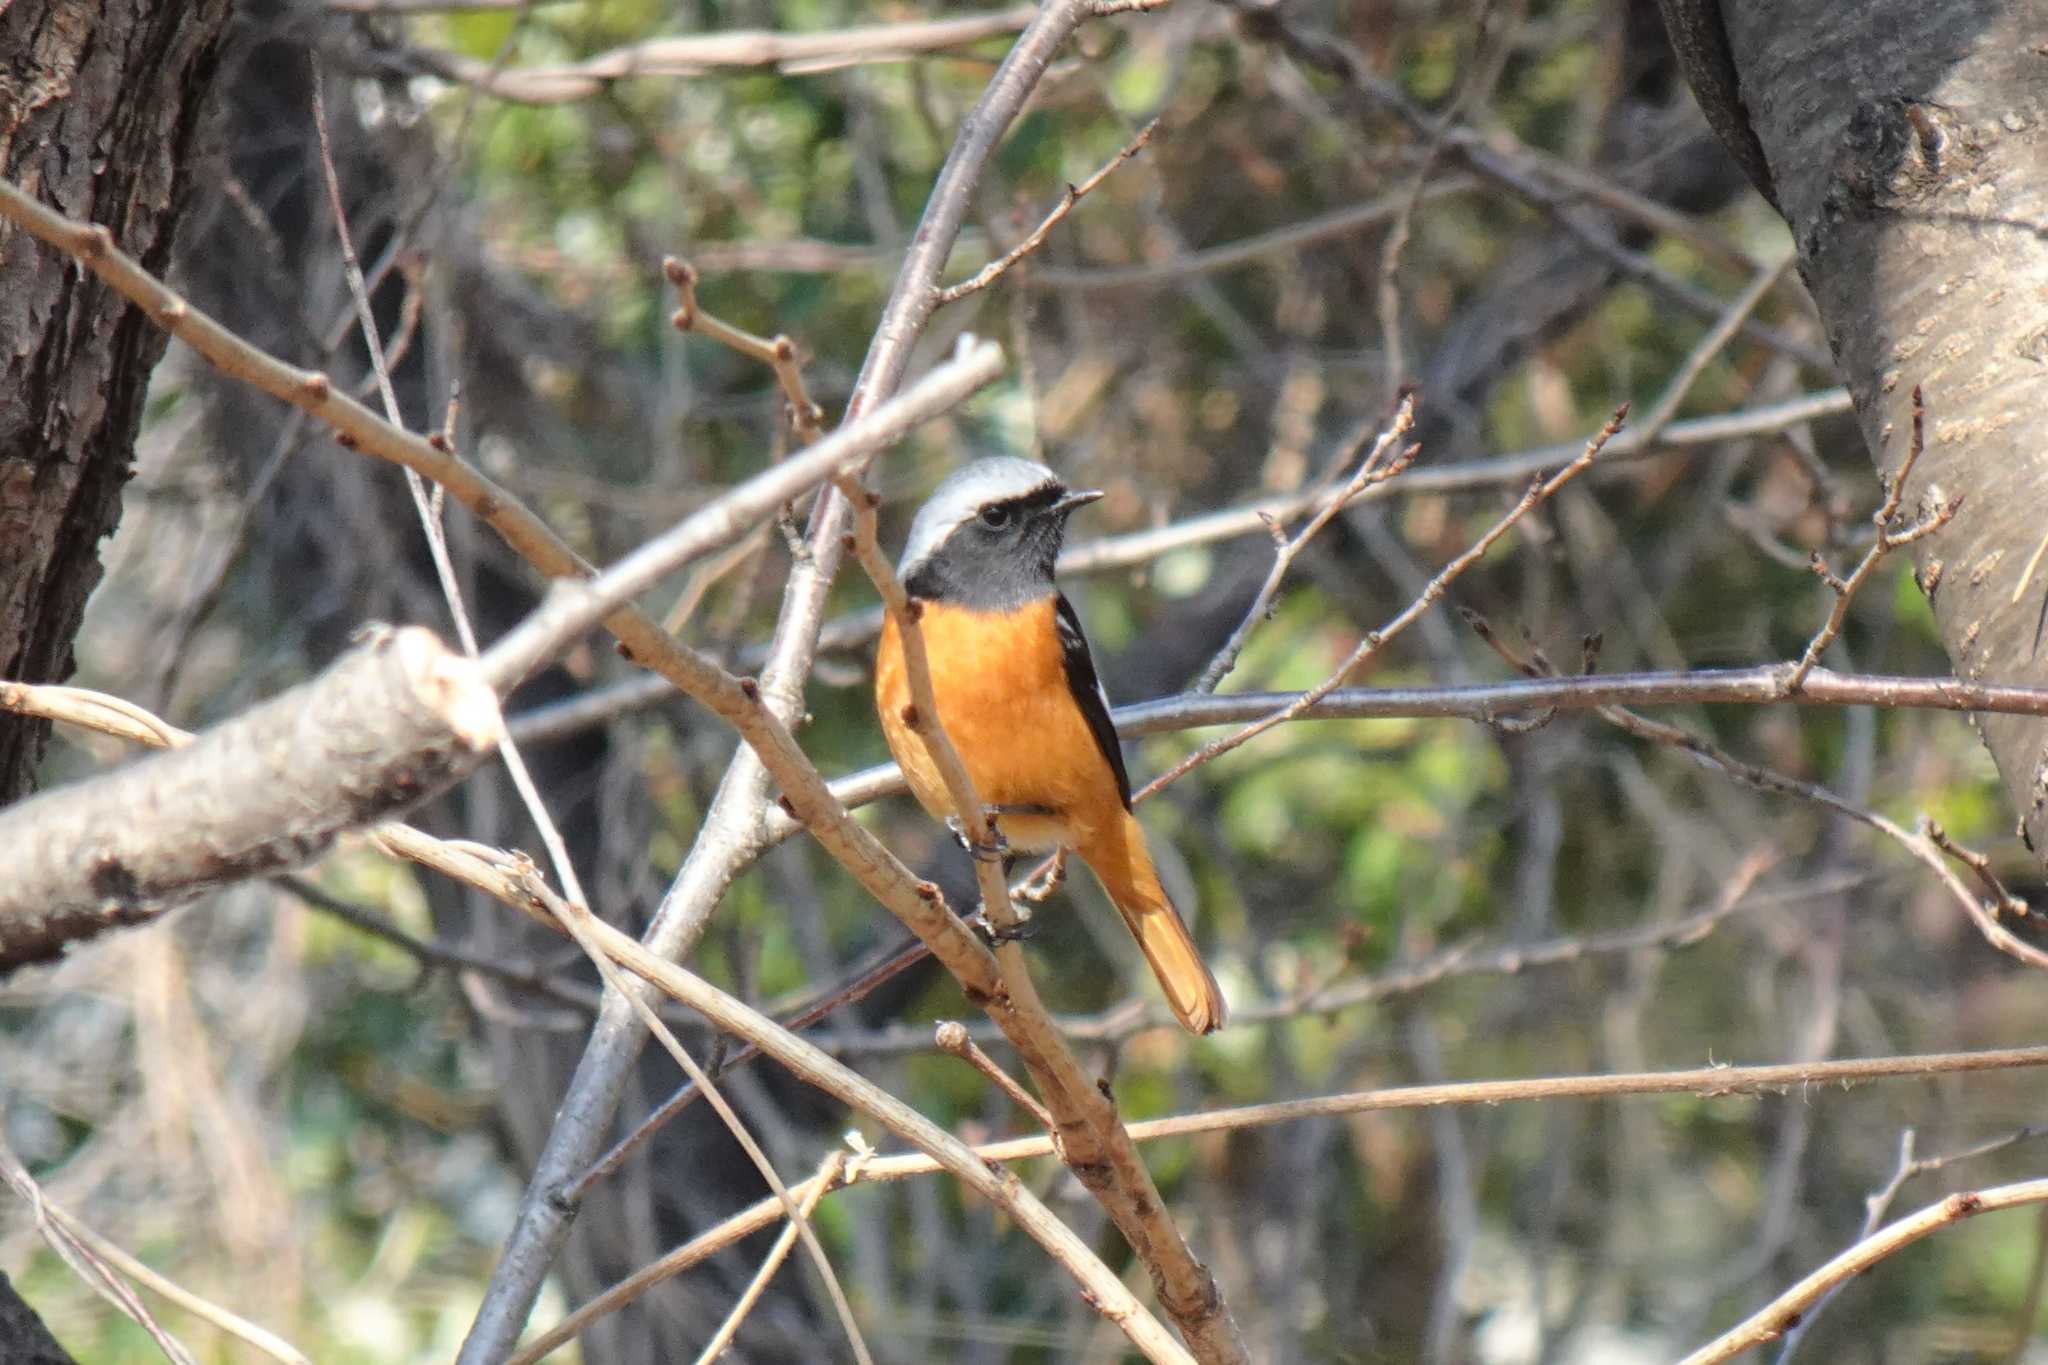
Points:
(995, 518)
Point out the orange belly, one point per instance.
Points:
(1001, 686)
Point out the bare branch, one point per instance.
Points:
(1106, 1292)
(995, 269)
(575, 918)
(1538, 492)
(1879, 1202)
(1888, 539)
(778, 353)
(1712, 1082)
(1783, 1312)
(1374, 468)
(388, 725)
(694, 53)
(827, 1177)
(855, 988)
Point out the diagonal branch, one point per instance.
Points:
(730, 836)
(995, 269)
(1782, 1313)
(1106, 1292)
(1093, 1141)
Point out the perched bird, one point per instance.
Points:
(1018, 696)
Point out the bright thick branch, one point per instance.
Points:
(392, 723)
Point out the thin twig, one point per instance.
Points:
(1887, 540)
(1374, 468)
(857, 987)
(1707, 1082)
(1387, 295)
(778, 353)
(1703, 352)
(1539, 491)
(688, 55)
(995, 269)
(827, 1177)
(1918, 842)
(1879, 1202)
(1106, 1292)
(97, 1259)
(429, 506)
(952, 1036)
(576, 919)
(1339, 991)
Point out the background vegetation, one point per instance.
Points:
(330, 1133)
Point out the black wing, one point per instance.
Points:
(1088, 693)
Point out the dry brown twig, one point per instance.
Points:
(995, 269)
(828, 1176)
(1879, 1201)
(1106, 1292)
(1921, 841)
(778, 352)
(1887, 540)
(828, 1002)
(1708, 1082)
(952, 1036)
(574, 917)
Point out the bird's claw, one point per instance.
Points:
(1019, 932)
(991, 848)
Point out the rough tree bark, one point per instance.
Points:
(100, 104)
(1906, 144)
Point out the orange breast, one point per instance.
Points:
(1001, 686)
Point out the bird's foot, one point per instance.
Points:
(1018, 932)
(1037, 889)
(991, 847)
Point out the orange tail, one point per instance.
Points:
(1123, 865)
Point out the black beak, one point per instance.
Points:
(1074, 497)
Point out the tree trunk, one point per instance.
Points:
(100, 105)
(1907, 145)
(23, 1338)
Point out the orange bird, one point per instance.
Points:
(1018, 696)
